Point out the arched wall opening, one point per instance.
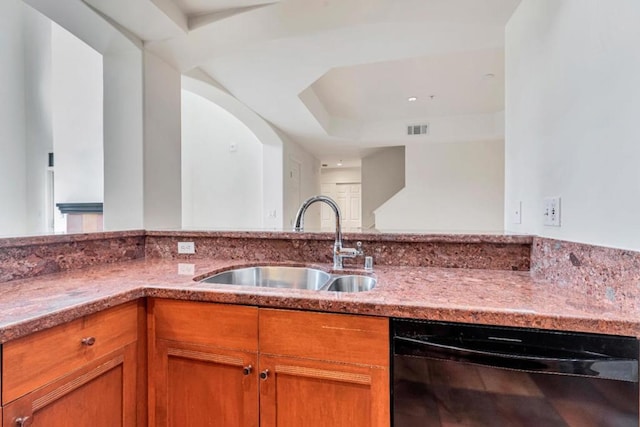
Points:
(232, 168)
(221, 168)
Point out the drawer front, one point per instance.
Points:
(37, 359)
(220, 325)
(323, 336)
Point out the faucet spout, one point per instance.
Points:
(338, 251)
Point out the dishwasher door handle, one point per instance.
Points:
(604, 368)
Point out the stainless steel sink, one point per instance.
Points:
(292, 278)
(273, 277)
(352, 283)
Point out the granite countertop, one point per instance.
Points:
(495, 297)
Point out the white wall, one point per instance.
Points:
(12, 120)
(39, 133)
(123, 108)
(141, 112)
(383, 175)
(123, 136)
(489, 126)
(162, 151)
(572, 109)
(449, 187)
(77, 120)
(340, 175)
(221, 189)
(272, 186)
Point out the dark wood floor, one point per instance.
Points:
(449, 394)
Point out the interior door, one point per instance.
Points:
(293, 189)
(350, 202)
(327, 217)
(349, 199)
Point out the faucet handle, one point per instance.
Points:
(359, 251)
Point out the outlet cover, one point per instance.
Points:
(186, 248)
(552, 211)
(186, 269)
(516, 213)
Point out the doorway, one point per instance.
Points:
(348, 195)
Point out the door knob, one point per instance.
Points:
(264, 374)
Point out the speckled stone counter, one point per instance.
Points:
(23, 257)
(462, 295)
(483, 251)
(485, 279)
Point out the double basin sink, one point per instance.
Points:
(293, 278)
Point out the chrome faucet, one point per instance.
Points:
(339, 253)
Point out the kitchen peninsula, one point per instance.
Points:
(77, 281)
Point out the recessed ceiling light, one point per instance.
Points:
(412, 99)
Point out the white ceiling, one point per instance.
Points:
(444, 85)
(200, 7)
(330, 72)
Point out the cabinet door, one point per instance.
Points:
(101, 394)
(197, 385)
(297, 392)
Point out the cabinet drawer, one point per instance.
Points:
(37, 359)
(323, 336)
(220, 325)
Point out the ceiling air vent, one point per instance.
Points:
(418, 129)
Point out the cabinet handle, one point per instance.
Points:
(247, 369)
(22, 421)
(88, 341)
(264, 374)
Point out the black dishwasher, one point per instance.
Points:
(451, 374)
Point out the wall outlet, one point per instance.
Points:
(186, 269)
(552, 211)
(186, 248)
(516, 213)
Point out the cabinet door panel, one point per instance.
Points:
(300, 392)
(99, 395)
(204, 386)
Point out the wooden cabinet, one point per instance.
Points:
(299, 392)
(209, 368)
(321, 370)
(84, 372)
(203, 364)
